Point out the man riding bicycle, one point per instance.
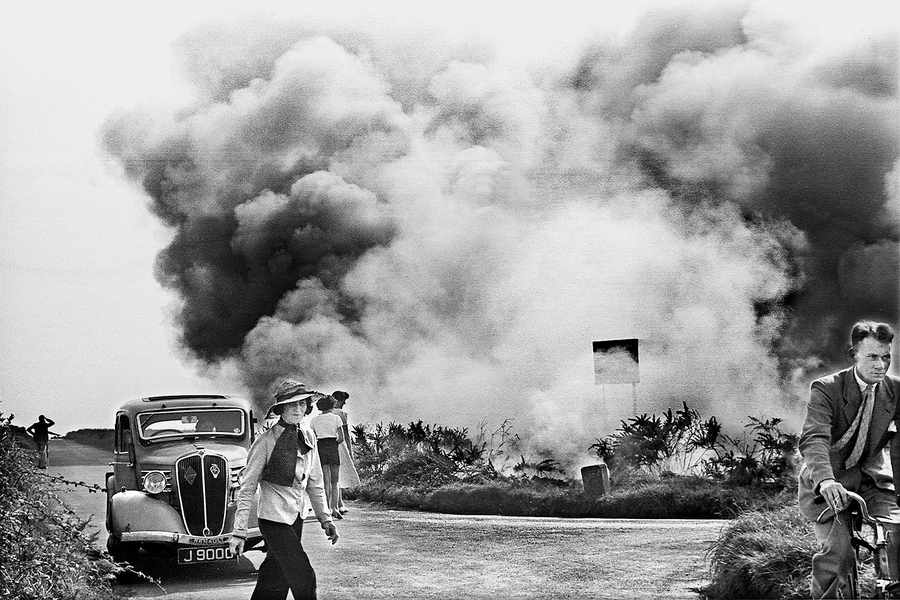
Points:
(850, 420)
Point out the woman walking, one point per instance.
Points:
(282, 463)
(327, 427)
(348, 476)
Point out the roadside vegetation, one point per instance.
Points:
(45, 551)
(766, 554)
(673, 465)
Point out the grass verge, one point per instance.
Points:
(667, 498)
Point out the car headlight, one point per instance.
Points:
(154, 482)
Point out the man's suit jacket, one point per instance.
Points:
(833, 403)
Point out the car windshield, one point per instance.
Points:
(191, 422)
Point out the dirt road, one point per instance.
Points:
(407, 554)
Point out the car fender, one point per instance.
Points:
(138, 511)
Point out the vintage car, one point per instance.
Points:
(175, 473)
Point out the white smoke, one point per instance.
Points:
(445, 241)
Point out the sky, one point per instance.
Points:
(419, 155)
(84, 325)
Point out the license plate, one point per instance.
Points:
(190, 556)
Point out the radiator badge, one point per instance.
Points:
(190, 475)
(214, 470)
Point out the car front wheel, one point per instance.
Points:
(119, 550)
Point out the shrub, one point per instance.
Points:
(658, 443)
(766, 554)
(681, 441)
(416, 469)
(44, 550)
(768, 454)
(382, 447)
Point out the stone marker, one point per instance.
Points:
(595, 479)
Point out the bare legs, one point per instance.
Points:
(332, 491)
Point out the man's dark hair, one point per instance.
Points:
(882, 332)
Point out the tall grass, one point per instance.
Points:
(767, 554)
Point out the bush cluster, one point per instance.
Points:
(418, 454)
(682, 441)
(443, 469)
(44, 549)
(766, 554)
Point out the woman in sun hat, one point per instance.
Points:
(282, 463)
(348, 475)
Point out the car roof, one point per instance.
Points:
(176, 401)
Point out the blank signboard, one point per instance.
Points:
(616, 361)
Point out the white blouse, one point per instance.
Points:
(326, 425)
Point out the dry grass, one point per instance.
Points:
(766, 554)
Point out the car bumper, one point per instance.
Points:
(183, 539)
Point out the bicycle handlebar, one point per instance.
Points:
(863, 509)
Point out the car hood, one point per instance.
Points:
(167, 453)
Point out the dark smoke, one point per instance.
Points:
(728, 106)
(444, 233)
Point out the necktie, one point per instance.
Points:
(860, 426)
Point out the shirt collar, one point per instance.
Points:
(862, 384)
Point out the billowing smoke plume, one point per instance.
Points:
(444, 235)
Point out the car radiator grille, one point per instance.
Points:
(203, 482)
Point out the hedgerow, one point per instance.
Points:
(673, 497)
(102, 439)
(45, 551)
(674, 465)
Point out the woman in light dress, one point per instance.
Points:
(348, 476)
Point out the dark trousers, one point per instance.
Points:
(286, 565)
(43, 448)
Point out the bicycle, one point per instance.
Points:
(884, 545)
